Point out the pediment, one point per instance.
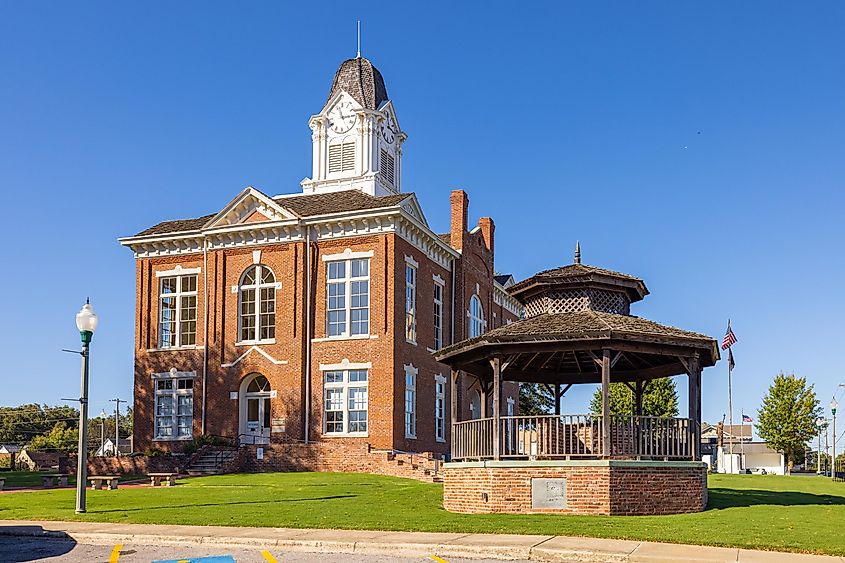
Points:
(388, 109)
(340, 96)
(411, 206)
(250, 206)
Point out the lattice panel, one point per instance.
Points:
(581, 299)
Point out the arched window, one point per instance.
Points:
(476, 317)
(257, 317)
(475, 405)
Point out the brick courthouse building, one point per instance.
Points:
(311, 317)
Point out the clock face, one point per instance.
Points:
(342, 117)
(388, 129)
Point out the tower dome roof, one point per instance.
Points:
(362, 81)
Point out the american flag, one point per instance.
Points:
(729, 339)
(746, 418)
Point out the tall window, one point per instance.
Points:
(410, 401)
(258, 304)
(346, 401)
(476, 317)
(348, 298)
(440, 408)
(342, 157)
(177, 311)
(174, 408)
(410, 302)
(438, 315)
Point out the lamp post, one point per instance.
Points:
(86, 322)
(833, 405)
(819, 423)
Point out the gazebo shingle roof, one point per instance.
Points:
(587, 324)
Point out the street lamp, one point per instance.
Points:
(86, 322)
(819, 424)
(833, 405)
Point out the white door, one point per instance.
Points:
(256, 412)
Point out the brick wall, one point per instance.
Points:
(628, 488)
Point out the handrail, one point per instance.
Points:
(575, 436)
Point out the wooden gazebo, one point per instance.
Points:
(578, 329)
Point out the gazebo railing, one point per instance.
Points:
(575, 436)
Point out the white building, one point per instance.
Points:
(756, 457)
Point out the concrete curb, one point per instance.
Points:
(552, 549)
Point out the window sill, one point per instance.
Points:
(346, 435)
(176, 349)
(413, 342)
(170, 439)
(255, 342)
(353, 337)
(409, 437)
(440, 440)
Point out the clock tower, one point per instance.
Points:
(356, 139)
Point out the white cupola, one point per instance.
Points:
(356, 139)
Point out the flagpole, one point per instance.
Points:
(730, 407)
(742, 439)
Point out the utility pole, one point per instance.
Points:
(116, 424)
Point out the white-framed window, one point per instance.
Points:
(174, 408)
(177, 325)
(411, 401)
(341, 157)
(346, 401)
(348, 297)
(476, 317)
(439, 408)
(438, 315)
(257, 313)
(410, 302)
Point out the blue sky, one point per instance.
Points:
(696, 145)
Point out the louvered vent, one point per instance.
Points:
(387, 166)
(342, 157)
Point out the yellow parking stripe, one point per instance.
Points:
(438, 559)
(269, 557)
(115, 553)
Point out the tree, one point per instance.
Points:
(787, 419)
(659, 399)
(60, 438)
(18, 425)
(535, 399)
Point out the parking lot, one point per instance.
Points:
(14, 550)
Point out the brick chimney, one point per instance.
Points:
(460, 209)
(487, 229)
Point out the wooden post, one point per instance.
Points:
(605, 403)
(484, 396)
(557, 399)
(497, 409)
(638, 398)
(456, 401)
(695, 406)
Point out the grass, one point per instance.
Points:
(27, 478)
(751, 511)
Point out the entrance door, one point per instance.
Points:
(256, 412)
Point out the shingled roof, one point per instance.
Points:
(583, 325)
(578, 273)
(300, 205)
(337, 202)
(362, 81)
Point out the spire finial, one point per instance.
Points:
(359, 40)
(577, 252)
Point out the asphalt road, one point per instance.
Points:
(15, 550)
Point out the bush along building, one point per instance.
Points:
(300, 328)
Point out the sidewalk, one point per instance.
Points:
(406, 544)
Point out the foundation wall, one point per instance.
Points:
(591, 487)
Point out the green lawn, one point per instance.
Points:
(753, 511)
(27, 478)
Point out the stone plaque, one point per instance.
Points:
(548, 493)
(277, 425)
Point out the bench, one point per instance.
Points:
(165, 479)
(51, 479)
(97, 482)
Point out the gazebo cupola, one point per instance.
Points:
(578, 287)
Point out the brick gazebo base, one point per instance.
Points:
(604, 487)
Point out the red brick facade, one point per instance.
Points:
(592, 487)
(219, 364)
